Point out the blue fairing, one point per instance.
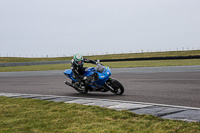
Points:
(103, 75)
(69, 73)
(89, 71)
(102, 72)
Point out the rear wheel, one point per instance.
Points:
(116, 87)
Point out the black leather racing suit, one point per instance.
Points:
(79, 70)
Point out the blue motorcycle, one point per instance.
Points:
(99, 81)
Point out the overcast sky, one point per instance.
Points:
(55, 27)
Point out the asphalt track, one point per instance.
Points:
(179, 85)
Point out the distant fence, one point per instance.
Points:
(108, 60)
(100, 53)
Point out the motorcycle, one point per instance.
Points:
(100, 81)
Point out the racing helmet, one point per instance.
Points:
(78, 59)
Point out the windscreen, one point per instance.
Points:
(99, 68)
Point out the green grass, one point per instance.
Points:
(122, 64)
(31, 115)
(18, 59)
(151, 54)
(110, 56)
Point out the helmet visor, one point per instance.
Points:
(79, 62)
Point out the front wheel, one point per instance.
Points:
(115, 87)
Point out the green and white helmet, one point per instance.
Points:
(78, 59)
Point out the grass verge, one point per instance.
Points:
(31, 115)
(122, 64)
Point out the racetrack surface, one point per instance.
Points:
(178, 85)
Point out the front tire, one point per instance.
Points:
(117, 87)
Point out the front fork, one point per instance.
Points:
(107, 84)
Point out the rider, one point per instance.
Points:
(78, 69)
